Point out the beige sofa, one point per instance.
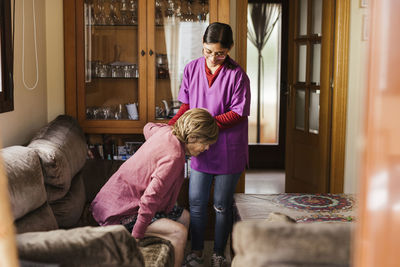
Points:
(51, 185)
(266, 243)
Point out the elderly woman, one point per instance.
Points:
(142, 194)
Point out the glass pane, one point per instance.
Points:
(269, 88)
(314, 112)
(316, 67)
(302, 63)
(317, 17)
(300, 108)
(303, 17)
(111, 60)
(179, 29)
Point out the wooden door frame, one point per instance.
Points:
(339, 96)
(340, 84)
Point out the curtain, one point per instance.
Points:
(184, 42)
(263, 19)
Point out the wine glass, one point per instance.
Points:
(158, 13)
(113, 18)
(133, 12)
(99, 14)
(189, 16)
(123, 11)
(170, 10)
(202, 16)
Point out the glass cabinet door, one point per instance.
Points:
(178, 27)
(111, 61)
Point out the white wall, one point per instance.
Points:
(356, 97)
(34, 108)
(55, 59)
(30, 106)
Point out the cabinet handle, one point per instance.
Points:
(151, 52)
(142, 53)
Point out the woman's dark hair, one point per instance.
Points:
(218, 32)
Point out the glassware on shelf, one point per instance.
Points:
(178, 9)
(132, 109)
(170, 9)
(113, 18)
(116, 71)
(202, 16)
(158, 13)
(99, 13)
(123, 11)
(188, 15)
(127, 70)
(162, 66)
(133, 12)
(104, 71)
(130, 71)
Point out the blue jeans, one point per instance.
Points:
(199, 191)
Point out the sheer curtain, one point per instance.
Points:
(184, 42)
(260, 26)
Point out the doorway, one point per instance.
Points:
(267, 53)
(332, 92)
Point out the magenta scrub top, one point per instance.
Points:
(229, 91)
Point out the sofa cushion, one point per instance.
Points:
(40, 219)
(62, 149)
(68, 209)
(260, 243)
(84, 246)
(25, 179)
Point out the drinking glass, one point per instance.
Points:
(133, 12)
(188, 15)
(113, 18)
(202, 16)
(158, 13)
(123, 11)
(170, 10)
(99, 13)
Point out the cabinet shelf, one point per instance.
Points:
(115, 78)
(108, 27)
(93, 48)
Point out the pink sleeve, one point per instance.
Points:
(160, 185)
(150, 128)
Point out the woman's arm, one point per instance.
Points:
(228, 119)
(162, 185)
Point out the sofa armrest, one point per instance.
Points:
(84, 246)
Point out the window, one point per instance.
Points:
(264, 70)
(6, 58)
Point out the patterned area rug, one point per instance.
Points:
(301, 207)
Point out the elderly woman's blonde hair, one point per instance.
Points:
(198, 124)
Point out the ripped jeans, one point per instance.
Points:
(199, 191)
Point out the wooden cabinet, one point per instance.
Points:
(124, 58)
